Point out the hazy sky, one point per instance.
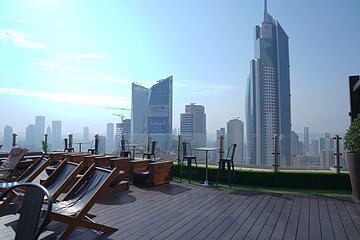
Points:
(68, 60)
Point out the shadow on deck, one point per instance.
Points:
(182, 211)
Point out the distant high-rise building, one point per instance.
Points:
(268, 95)
(235, 135)
(86, 134)
(102, 144)
(139, 105)
(159, 113)
(221, 133)
(48, 133)
(193, 125)
(315, 146)
(8, 132)
(39, 130)
(123, 130)
(294, 144)
(56, 138)
(151, 113)
(30, 137)
(110, 137)
(306, 139)
(327, 158)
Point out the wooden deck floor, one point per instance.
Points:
(181, 211)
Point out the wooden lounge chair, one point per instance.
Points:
(74, 208)
(30, 174)
(8, 168)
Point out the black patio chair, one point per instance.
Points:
(189, 158)
(32, 219)
(125, 151)
(94, 142)
(229, 161)
(150, 151)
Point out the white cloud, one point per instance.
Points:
(72, 98)
(21, 20)
(62, 67)
(18, 39)
(78, 56)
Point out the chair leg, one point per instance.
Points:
(218, 173)
(229, 173)
(96, 226)
(197, 170)
(189, 169)
(67, 232)
(154, 157)
(181, 167)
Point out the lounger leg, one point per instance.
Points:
(66, 234)
(96, 226)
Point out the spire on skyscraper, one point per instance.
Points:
(267, 16)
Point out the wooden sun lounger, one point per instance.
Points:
(8, 169)
(73, 210)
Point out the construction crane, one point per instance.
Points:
(119, 115)
(119, 108)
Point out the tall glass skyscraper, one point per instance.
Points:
(268, 95)
(152, 112)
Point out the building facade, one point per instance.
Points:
(56, 138)
(235, 135)
(139, 104)
(268, 95)
(110, 138)
(8, 132)
(193, 125)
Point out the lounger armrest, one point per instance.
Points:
(6, 169)
(160, 172)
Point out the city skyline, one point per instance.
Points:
(62, 75)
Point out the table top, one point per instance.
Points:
(135, 145)
(206, 149)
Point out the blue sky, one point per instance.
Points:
(68, 60)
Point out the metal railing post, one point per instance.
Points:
(276, 153)
(178, 149)
(14, 140)
(337, 153)
(221, 153)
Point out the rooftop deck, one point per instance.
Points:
(182, 211)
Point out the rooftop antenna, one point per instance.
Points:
(265, 9)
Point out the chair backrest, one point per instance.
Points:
(15, 155)
(123, 144)
(34, 170)
(186, 149)
(60, 178)
(84, 193)
(30, 224)
(70, 140)
(153, 146)
(231, 151)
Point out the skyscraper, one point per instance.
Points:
(56, 135)
(39, 130)
(139, 105)
(159, 113)
(8, 132)
(193, 125)
(123, 130)
(235, 135)
(110, 137)
(31, 136)
(152, 112)
(306, 139)
(268, 94)
(86, 134)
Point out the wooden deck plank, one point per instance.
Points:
(314, 224)
(336, 222)
(251, 229)
(254, 210)
(281, 224)
(348, 223)
(183, 211)
(327, 231)
(269, 226)
(302, 232)
(292, 225)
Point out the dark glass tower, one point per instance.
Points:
(268, 95)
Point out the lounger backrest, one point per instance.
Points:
(34, 170)
(85, 192)
(67, 170)
(15, 155)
